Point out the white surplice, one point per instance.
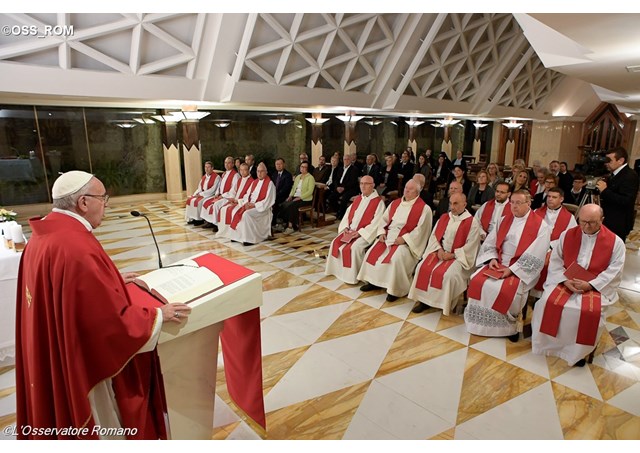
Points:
(368, 234)
(497, 214)
(211, 214)
(194, 212)
(456, 278)
(396, 275)
(255, 225)
(239, 188)
(479, 317)
(564, 344)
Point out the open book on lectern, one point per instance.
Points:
(183, 282)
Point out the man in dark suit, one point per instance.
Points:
(618, 193)
(578, 191)
(283, 182)
(565, 180)
(253, 169)
(373, 169)
(346, 187)
(406, 168)
(305, 158)
(322, 171)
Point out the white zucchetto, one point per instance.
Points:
(69, 183)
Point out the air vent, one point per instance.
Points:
(635, 68)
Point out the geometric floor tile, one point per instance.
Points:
(580, 379)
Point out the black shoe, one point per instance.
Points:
(368, 287)
(420, 307)
(246, 244)
(215, 228)
(191, 222)
(514, 338)
(391, 298)
(206, 225)
(581, 363)
(198, 222)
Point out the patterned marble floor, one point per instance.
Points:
(341, 364)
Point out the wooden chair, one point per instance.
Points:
(394, 194)
(572, 208)
(307, 210)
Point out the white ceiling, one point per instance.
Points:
(536, 66)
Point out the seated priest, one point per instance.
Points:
(402, 237)
(251, 222)
(356, 232)
(443, 273)
(443, 204)
(225, 216)
(206, 188)
(584, 274)
(510, 261)
(559, 220)
(493, 210)
(225, 192)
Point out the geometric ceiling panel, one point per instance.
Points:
(345, 52)
(531, 86)
(463, 56)
(138, 44)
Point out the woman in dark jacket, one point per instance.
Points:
(480, 192)
(389, 177)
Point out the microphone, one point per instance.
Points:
(139, 214)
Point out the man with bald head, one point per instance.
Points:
(443, 205)
(510, 261)
(356, 232)
(425, 194)
(584, 275)
(443, 273)
(402, 237)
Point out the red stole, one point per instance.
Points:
(239, 195)
(591, 300)
(431, 273)
(208, 204)
(410, 225)
(510, 284)
(562, 222)
(367, 218)
(195, 199)
(261, 196)
(487, 213)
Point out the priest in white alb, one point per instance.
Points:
(402, 237)
(569, 318)
(490, 212)
(510, 261)
(251, 223)
(225, 191)
(443, 273)
(356, 232)
(206, 188)
(240, 189)
(559, 220)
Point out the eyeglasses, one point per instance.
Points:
(588, 222)
(104, 198)
(517, 203)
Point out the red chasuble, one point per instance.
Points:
(510, 284)
(261, 196)
(410, 225)
(76, 327)
(591, 301)
(432, 271)
(367, 218)
(208, 204)
(240, 194)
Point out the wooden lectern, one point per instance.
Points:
(189, 351)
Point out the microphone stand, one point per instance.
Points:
(139, 214)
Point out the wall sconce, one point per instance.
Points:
(413, 122)
(125, 124)
(349, 118)
(446, 122)
(479, 125)
(189, 115)
(222, 123)
(317, 121)
(280, 121)
(373, 121)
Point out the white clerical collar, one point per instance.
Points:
(619, 169)
(504, 202)
(76, 216)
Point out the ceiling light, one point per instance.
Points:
(413, 122)
(634, 68)
(317, 121)
(373, 121)
(447, 122)
(144, 120)
(125, 124)
(189, 115)
(479, 125)
(222, 123)
(437, 125)
(349, 118)
(166, 118)
(512, 124)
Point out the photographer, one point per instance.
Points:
(618, 193)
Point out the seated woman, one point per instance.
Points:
(459, 174)
(440, 176)
(423, 167)
(521, 181)
(301, 195)
(480, 193)
(389, 177)
(494, 175)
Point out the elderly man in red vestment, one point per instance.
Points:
(207, 188)
(86, 365)
(585, 271)
(510, 261)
